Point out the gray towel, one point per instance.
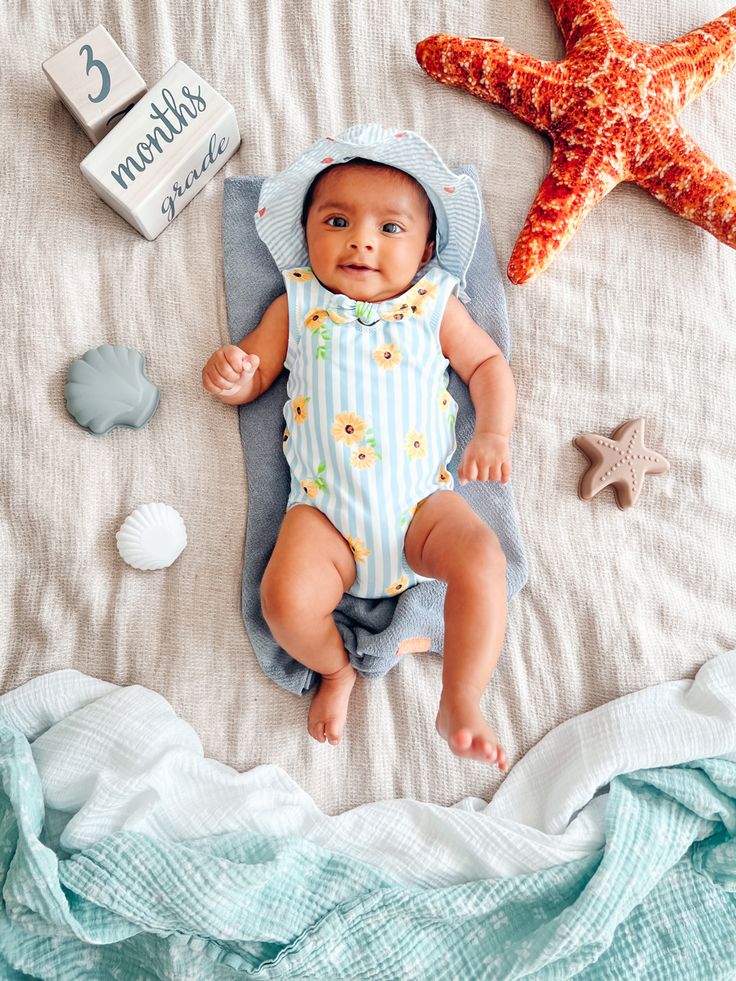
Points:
(374, 631)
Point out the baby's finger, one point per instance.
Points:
(250, 364)
(495, 471)
(505, 471)
(216, 384)
(484, 472)
(471, 470)
(224, 369)
(208, 383)
(235, 357)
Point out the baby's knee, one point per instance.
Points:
(481, 556)
(288, 600)
(276, 599)
(490, 553)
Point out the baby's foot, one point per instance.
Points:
(459, 721)
(329, 707)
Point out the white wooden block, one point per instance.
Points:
(95, 81)
(164, 151)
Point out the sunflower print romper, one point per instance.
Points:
(370, 425)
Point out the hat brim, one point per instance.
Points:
(454, 197)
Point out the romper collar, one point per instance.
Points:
(413, 302)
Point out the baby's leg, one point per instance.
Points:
(310, 568)
(447, 540)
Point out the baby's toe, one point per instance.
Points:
(333, 731)
(486, 749)
(317, 731)
(462, 739)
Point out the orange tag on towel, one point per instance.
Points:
(413, 645)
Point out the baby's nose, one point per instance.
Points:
(362, 238)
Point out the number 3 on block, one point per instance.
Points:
(95, 63)
(95, 81)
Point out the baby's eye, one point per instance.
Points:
(337, 218)
(391, 226)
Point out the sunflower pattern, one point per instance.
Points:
(300, 275)
(445, 402)
(415, 445)
(348, 428)
(316, 321)
(364, 456)
(338, 318)
(318, 483)
(299, 408)
(398, 587)
(415, 302)
(387, 357)
(360, 552)
(355, 456)
(426, 294)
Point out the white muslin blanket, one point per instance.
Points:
(113, 759)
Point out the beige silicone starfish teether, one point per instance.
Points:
(621, 462)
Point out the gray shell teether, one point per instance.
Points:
(108, 388)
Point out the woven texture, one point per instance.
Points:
(180, 868)
(635, 318)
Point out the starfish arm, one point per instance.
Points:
(585, 21)
(697, 59)
(489, 70)
(658, 464)
(593, 480)
(677, 172)
(579, 177)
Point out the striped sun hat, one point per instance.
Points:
(454, 197)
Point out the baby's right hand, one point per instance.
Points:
(228, 370)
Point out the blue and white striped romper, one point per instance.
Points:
(370, 425)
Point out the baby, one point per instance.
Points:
(369, 421)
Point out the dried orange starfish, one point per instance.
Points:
(611, 108)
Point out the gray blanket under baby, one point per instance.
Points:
(373, 630)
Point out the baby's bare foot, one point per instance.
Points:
(329, 707)
(460, 723)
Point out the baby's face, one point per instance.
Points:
(367, 232)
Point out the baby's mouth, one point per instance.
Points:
(357, 267)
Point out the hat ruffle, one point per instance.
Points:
(454, 197)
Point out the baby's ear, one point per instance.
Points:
(428, 251)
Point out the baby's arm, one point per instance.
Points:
(481, 365)
(236, 377)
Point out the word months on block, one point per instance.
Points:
(164, 151)
(95, 81)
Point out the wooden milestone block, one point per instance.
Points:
(164, 151)
(95, 81)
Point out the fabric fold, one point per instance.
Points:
(187, 869)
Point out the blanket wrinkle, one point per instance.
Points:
(212, 872)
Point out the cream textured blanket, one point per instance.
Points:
(636, 317)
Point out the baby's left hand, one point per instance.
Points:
(486, 457)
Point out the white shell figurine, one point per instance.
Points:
(152, 537)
